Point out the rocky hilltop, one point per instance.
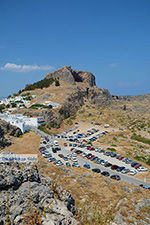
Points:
(84, 89)
(72, 76)
(9, 130)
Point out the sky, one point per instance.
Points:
(110, 38)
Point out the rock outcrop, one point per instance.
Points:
(72, 76)
(7, 128)
(72, 104)
(23, 191)
(139, 214)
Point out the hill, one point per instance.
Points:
(98, 199)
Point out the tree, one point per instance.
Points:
(1, 108)
(57, 83)
(19, 92)
(7, 106)
(13, 104)
(124, 107)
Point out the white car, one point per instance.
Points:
(142, 169)
(132, 172)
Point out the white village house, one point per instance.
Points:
(23, 122)
(19, 100)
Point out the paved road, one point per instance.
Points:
(82, 161)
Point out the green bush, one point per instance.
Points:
(28, 98)
(1, 108)
(14, 94)
(112, 149)
(143, 159)
(113, 145)
(57, 83)
(52, 125)
(36, 106)
(69, 122)
(42, 128)
(115, 139)
(13, 104)
(140, 139)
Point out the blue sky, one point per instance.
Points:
(110, 38)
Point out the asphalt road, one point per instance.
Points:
(82, 161)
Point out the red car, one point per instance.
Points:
(121, 157)
(90, 156)
(42, 149)
(60, 155)
(84, 140)
(71, 149)
(137, 166)
(92, 148)
(114, 167)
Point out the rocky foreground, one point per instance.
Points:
(9, 130)
(27, 196)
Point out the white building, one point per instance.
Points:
(54, 104)
(23, 122)
(19, 100)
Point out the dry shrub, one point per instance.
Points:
(32, 218)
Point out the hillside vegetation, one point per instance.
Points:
(40, 84)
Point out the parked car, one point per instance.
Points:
(137, 166)
(118, 156)
(145, 186)
(102, 162)
(86, 166)
(132, 172)
(61, 155)
(51, 159)
(65, 158)
(114, 167)
(54, 150)
(119, 169)
(115, 177)
(105, 173)
(113, 154)
(125, 171)
(68, 164)
(107, 164)
(42, 147)
(142, 169)
(96, 170)
(75, 164)
(41, 150)
(121, 157)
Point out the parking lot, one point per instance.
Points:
(73, 149)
